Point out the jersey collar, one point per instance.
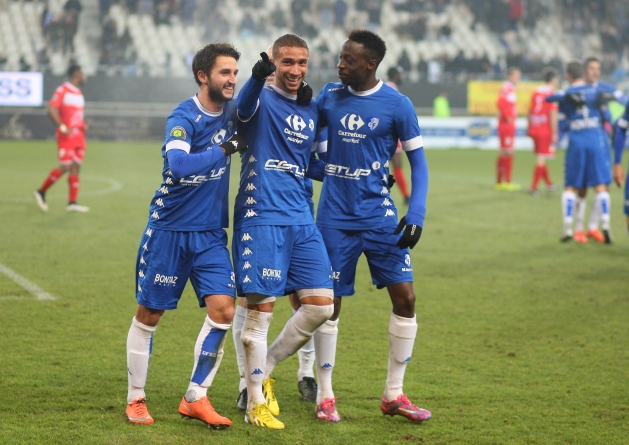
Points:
(203, 110)
(283, 93)
(367, 92)
(72, 87)
(578, 84)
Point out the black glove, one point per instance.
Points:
(602, 99)
(576, 99)
(391, 181)
(412, 234)
(263, 68)
(234, 144)
(304, 94)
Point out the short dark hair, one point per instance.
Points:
(393, 71)
(288, 40)
(589, 60)
(512, 70)
(373, 44)
(574, 69)
(72, 70)
(205, 58)
(549, 73)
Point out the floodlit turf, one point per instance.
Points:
(522, 339)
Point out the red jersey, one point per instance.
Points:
(69, 100)
(507, 104)
(539, 112)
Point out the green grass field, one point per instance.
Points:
(522, 339)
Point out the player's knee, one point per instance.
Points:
(318, 315)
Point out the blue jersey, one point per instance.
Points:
(280, 136)
(620, 135)
(363, 131)
(196, 202)
(583, 122)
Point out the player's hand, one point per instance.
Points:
(304, 93)
(391, 181)
(575, 99)
(602, 99)
(263, 68)
(410, 237)
(64, 129)
(619, 175)
(234, 144)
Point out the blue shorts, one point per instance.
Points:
(166, 260)
(276, 260)
(587, 164)
(388, 263)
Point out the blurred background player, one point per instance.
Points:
(185, 236)
(507, 115)
(306, 383)
(620, 135)
(66, 110)
(395, 80)
(351, 227)
(543, 128)
(587, 162)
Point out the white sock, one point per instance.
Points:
(603, 203)
(306, 360)
(402, 332)
(239, 320)
(595, 215)
(579, 213)
(568, 199)
(208, 353)
(254, 334)
(298, 330)
(325, 351)
(139, 346)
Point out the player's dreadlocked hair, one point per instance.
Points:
(205, 58)
(373, 44)
(574, 69)
(288, 40)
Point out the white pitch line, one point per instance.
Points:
(34, 289)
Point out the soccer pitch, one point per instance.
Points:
(522, 339)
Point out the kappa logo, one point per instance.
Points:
(408, 359)
(169, 181)
(375, 165)
(296, 122)
(247, 279)
(155, 215)
(257, 371)
(386, 202)
(373, 123)
(163, 190)
(252, 173)
(168, 172)
(141, 273)
(407, 259)
(252, 159)
(219, 136)
(246, 237)
(272, 273)
(326, 366)
(142, 261)
(145, 247)
(384, 191)
(246, 265)
(386, 164)
(246, 252)
(389, 212)
(149, 232)
(139, 288)
(250, 201)
(250, 213)
(159, 202)
(250, 187)
(352, 122)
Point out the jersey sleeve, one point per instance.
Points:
(320, 101)
(57, 97)
(179, 133)
(407, 127)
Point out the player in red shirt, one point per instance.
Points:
(543, 127)
(507, 114)
(66, 110)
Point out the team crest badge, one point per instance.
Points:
(373, 123)
(178, 132)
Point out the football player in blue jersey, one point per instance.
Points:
(276, 246)
(356, 213)
(620, 138)
(185, 237)
(587, 162)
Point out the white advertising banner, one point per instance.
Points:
(21, 89)
(469, 132)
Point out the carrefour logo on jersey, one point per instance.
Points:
(219, 136)
(352, 122)
(297, 124)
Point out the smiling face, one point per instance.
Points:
(219, 87)
(292, 67)
(355, 66)
(592, 71)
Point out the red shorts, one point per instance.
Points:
(506, 134)
(71, 148)
(543, 147)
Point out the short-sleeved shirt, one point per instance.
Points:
(507, 104)
(363, 132)
(200, 201)
(539, 112)
(70, 102)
